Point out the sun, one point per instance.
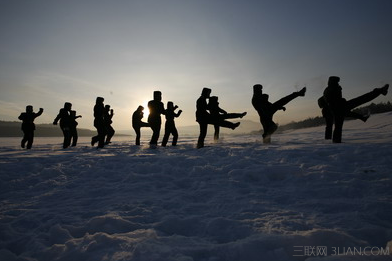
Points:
(146, 110)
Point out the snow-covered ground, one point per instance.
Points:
(299, 198)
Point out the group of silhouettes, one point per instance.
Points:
(154, 121)
(333, 106)
(102, 122)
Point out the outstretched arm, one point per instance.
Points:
(178, 114)
(21, 116)
(57, 118)
(39, 113)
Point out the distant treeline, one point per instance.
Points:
(375, 108)
(13, 129)
(319, 120)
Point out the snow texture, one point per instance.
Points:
(234, 200)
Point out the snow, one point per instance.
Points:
(237, 199)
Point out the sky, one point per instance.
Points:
(53, 52)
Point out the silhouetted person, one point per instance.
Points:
(219, 116)
(328, 115)
(65, 123)
(28, 126)
(74, 131)
(99, 123)
(108, 115)
(137, 122)
(203, 117)
(170, 126)
(266, 109)
(154, 118)
(339, 108)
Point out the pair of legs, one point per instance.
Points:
(67, 137)
(269, 128)
(231, 125)
(204, 125)
(137, 131)
(156, 129)
(109, 133)
(170, 128)
(100, 138)
(329, 120)
(266, 116)
(346, 107)
(74, 136)
(28, 136)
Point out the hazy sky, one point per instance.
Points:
(53, 51)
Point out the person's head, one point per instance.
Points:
(213, 100)
(68, 106)
(72, 113)
(257, 89)
(157, 96)
(140, 108)
(99, 100)
(170, 105)
(206, 92)
(107, 107)
(29, 108)
(265, 97)
(333, 81)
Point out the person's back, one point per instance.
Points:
(28, 126)
(137, 117)
(99, 123)
(137, 122)
(213, 107)
(65, 120)
(73, 118)
(170, 115)
(108, 115)
(333, 96)
(156, 109)
(99, 113)
(27, 119)
(73, 125)
(170, 127)
(202, 113)
(266, 109)
(65, 123)
(257, 97)
(340, 108)
(154, 118)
